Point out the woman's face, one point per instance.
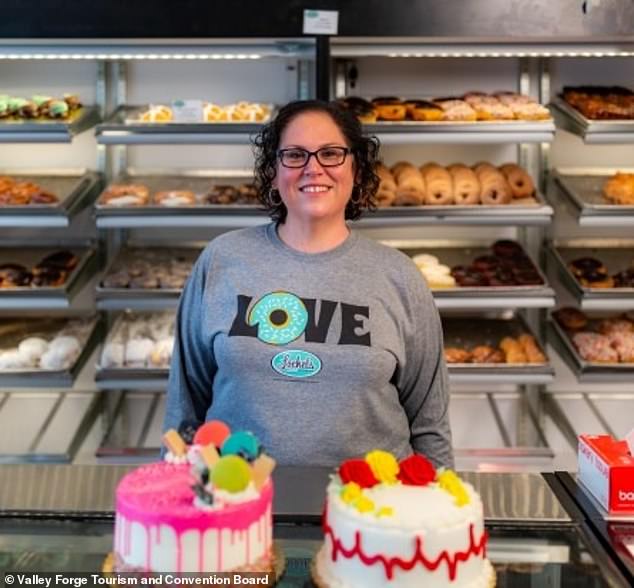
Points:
(314, 193)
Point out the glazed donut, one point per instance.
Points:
(410, 187)
(521, 184)
(466, 187)
(513, 351)
(494, 189)
(174, 198)
(422, 110)
(281, 317)
(439, 184)
(125, 195)
(585, 265)
(531, 349)
(389, 108)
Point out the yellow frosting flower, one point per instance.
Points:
(385, 511)
(450, 482)
(364, 504)
(383, 465)
(350, 492)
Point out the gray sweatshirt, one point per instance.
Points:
(323, 356)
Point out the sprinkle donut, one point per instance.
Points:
(281, 318)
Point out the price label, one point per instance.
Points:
(187, 111)
(321, 22)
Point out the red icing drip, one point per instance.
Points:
(201, 551)
(179, 553)
(220, 568)
(248, 547)
(475, 548)
(148, 549)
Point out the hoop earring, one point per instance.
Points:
(274, 201)
(356, 196)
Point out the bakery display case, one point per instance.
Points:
(468, 274)
(67, 193)
(45, 352)
(598, 272)
(533, 539)
(584, 189)
(36, 277)
(144, 278)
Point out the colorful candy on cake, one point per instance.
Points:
(207, 507)
(401, 524)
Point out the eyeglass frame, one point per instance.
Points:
(280, 154)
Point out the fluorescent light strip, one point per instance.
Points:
(129, 56)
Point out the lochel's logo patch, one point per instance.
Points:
(295, 363)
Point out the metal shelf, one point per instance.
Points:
(609, 299)
(583, 189)
(585, 372)
(592, 132)
(48, 130)
(118, 130)
(45, 427)
(407, 133)
(60, 297)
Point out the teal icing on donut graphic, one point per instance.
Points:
(281, 317)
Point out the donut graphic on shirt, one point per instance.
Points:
(281, 317)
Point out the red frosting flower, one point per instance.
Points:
(359, 471)
(416, 471)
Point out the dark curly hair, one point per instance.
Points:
(364, 150)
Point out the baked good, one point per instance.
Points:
(571, 318)
(386, 192)
(410, 186)
(531, 349)
(206, 508)
(466, 186)
(438, 184)
(520, 182)
(390, 523)
(125, 195)
(456, 110)
(360, 107)
(619, 189)
(494, 187)
(423, 110)
(174, 198)
(513, 350)
(595, 348)
(389, 108)
(457, 355)
(487, 354)
(157, 113)
(488, 107)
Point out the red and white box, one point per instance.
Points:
(606, 469)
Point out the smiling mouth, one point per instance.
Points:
(312, 189)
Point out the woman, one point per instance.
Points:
(323, 343)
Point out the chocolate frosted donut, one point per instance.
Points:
(485, 263)
(584, 265)
(571, 318)
(62, 259)
(507, 248)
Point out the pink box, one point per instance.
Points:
(606, 468)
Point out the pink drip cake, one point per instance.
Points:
(390, 524)
(206, 508)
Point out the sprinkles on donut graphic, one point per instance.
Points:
(281, 317)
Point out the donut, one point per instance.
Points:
(507, 248)
(62, 259)
(584, 265)
(222, 194)
(571, 318)
(43, 197)
(485, 263)
(389, 108)
(466, 187)
(528, 278)
(172, 198)
(521, 184)
(494, 188)
(125, 195)
(361, 108)
(438, 185)
(486, 354)
(410, 186)
(281, 317)
(457, 355)
(596, 279)
(422, 110)
(513, 351)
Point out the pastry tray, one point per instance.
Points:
(145, 378)
(496, 126)
(72, 187)
(621, 372)
(47, 295)
(457, 252)
(198, 182)
(616, 255)
(584, 186)
(45, 130)
(142, 298)
(592, 131)
(471, 331)
(125, 122)
(14, 330)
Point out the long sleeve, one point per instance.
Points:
(189, 389)
(424, 383)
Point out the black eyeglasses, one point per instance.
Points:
(326, 156)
